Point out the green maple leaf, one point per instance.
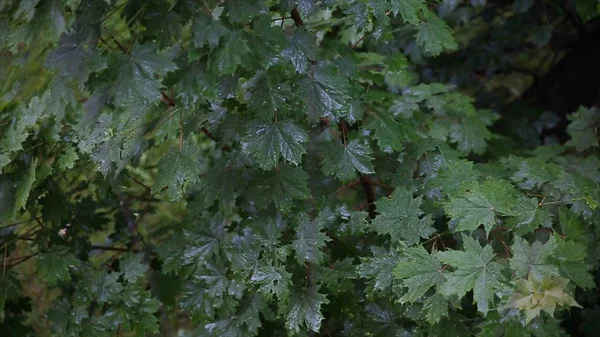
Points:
(309, 240)
(267, 142)
(455, 178)
(433, 35)
(300, 50)
(133, 267)
(54, 266)
(280, 187)
(204, 242)
(401, 218)
(379, 268)
(24, 187)
(583, 128)
(570, 257)
(195, 298)
(527, 215)
(207, 31)
(305, 309)
(324, 91)
(474, 270)
(26, 10)
(419, 271)
(534, 260)
(175, 169)
(226, 61)
(533, 172)
(481, 204)
(343, 161)
(391, 133)
(472, 133)
(272, 280)
(4, 160)
(409, 9)
(532, 296)
(136, 87)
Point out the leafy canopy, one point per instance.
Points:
(291, 168)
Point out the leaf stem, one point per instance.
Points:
(559, 202)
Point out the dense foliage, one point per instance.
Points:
(295, 167)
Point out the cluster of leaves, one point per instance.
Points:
(254, 167)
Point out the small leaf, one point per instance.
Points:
(583, 128)
(133, 267)
(175, 169)
(269, 142)
(280, 187)
(480, 205)
(474, 270)
(343, 161)
(434, 36)
(24, 187)
(409, 9)
(301, 49)
(324, 91)
(272, 281)
(401, 217)
(309, 240)
(533, 295)
(379, 268)
(456, 177)
(207, 31)
(419, 271)
(533, 260)
(136, 87)
(305, 309)
(224, 60)
(391, 133)
(54, 266)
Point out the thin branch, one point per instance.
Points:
(23, 259)
(113, 11)
(115, 249)
(17, 223)
(354, 183)
(209, 134)
(559, 202)
(141, 183)
(359, 41)
(180, 131)
(369, 194)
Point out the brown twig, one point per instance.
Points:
(369, 194)
(115, 249)
(296, 17)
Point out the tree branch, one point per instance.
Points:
(296, 17)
